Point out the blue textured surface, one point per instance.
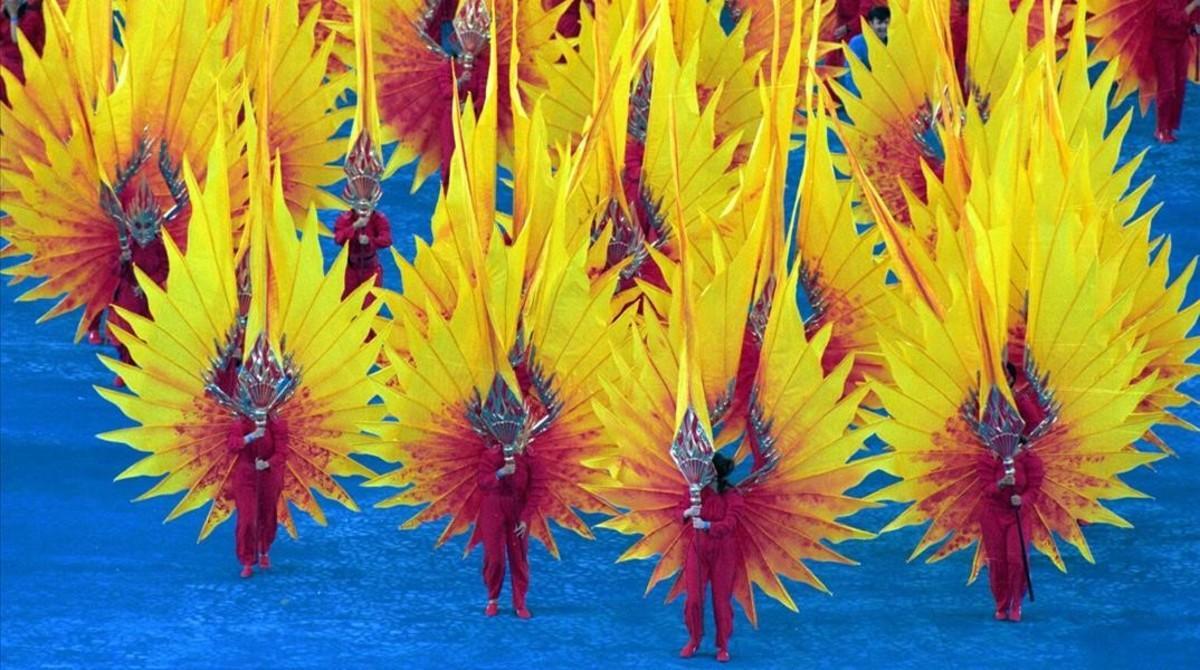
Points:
(89, 579)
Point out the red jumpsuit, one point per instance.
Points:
(1172, 27)
(152, 259)
(504, 506)
(711, 559)
(364, 261)
(256, 493)
(32, 28)
(998, 523)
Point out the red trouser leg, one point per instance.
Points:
(354, 277)
(1016, 562)
(492, 530)
(245, 498)
(1168, 57)
(695, 575)
(1181, 82)
(518, 564)
(994, 546)
(270, 483)
(722, 590)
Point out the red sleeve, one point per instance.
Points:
(235, 440)
(486, 478)
(381, 231)
(343, 227)
(985, 468)
(279, 442)
(1035, 473)
(733, 504)
(526, 495)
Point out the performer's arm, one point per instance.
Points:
(1035, 474)
(728, 523)
(280, 446)
(238, 438)
(343, 228)
(381, 231)
(527, 495)
(488, 476)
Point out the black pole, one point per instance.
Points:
(1024, 552)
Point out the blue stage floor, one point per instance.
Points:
(88, 579)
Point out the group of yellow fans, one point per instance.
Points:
(648, 273)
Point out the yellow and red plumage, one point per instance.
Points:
(295, 305)
(788, 512)
(474, 319)
(417, 76)
(56, 216)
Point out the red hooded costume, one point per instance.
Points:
(504, 506)
(256, 492)
(1172, 28)
(711, 559)
(152, 259)
(363, 263)
(998, 524)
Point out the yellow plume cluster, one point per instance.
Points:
(962, 228)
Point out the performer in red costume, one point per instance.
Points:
(22, 17)
(711, 560)
(1173, 25)
(139, 220)
(260, 441)
(363, 227)
(1011, 474)
(506, 480)
(1011, 483)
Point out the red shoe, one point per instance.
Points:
(722, 656)
(1001, 614)
(524, 613)
(94, 337)
(492, 609)
(1014, 614)
(118, 382)
(264, 562)
(247, 571)
(689, 649)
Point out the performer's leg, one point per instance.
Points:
(1163, 54)
(492, 529)
(722, 590)
(270, 491)
(246, 502)
(695, 574)
(993, 546)
(1180, 71)
(518, 565)
(1016, 570)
